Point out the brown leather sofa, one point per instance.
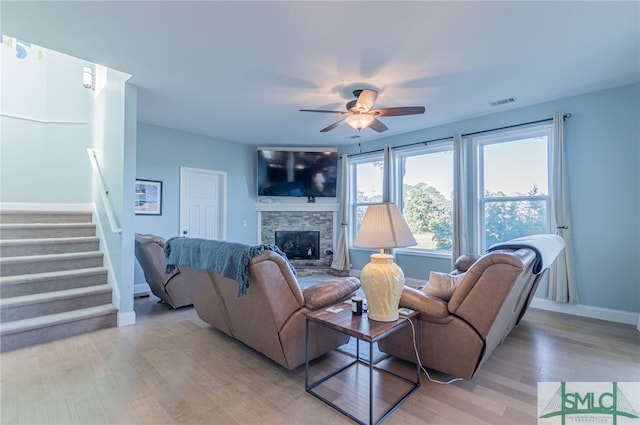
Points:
(270, 317)
(457, 336)
(170, 288)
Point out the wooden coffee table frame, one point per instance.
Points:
(361, 328)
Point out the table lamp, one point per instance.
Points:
(383, 227)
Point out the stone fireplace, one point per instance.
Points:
(306, 218)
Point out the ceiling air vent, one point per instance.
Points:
(503, 101)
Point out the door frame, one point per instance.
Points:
(222, 198)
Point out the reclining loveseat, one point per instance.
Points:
(459, 334)
(259, 303)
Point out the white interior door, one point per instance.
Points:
(203, 197)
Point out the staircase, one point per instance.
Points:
(52, 280)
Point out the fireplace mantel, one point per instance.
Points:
(297, 206)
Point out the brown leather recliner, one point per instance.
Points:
(270, 317)
(170, 288)
(456, 337)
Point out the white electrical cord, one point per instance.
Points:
(415, 348)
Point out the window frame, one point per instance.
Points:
(530, 132)
(399, 158)
(353, 191)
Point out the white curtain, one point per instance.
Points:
(460, 205)
(562, 283)
(341, 256)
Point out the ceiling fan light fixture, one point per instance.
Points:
(359, 121)
(360, 113)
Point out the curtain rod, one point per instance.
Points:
(425, 142)
(400, 146)
(564, 117)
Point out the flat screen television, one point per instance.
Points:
(309, 172)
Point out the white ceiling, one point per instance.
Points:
(239, 71)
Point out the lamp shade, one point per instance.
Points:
(384, 227)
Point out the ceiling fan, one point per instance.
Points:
(360, 113)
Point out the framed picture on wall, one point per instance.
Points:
(148, 197)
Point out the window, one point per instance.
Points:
(425, 186)
(366, 186)
(512, 184)
(509, 192)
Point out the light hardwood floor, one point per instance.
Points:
(172, 368)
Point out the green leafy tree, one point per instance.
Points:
(360, 211)
(442, 230)
(428, 210)
(505, 220)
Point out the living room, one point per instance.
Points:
(602, 150)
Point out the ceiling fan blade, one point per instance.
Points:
(366, 100)
(332, 126)
(323, 110)
(377, 125)
(402, 110)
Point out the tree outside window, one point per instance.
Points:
(513, 185)
(426, 176)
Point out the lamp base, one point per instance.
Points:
(382, 282)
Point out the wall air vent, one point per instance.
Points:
(503, 101)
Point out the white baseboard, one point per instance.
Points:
(126, 319)
(600, 313)
(141, 289)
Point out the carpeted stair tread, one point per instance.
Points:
(45, 230)
(41, 257)
(24, 278)
(49, 241)
(27, 300)
(42, 246)
(49, 320)
(12, 266)
(65, 256)
(7, 226)
(44, 216)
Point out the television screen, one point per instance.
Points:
(297, 173)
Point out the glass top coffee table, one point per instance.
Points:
(341, 319)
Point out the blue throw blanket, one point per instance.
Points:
(546, 247)
(227, 258)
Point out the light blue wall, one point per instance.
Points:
(43, 157)
(160, 154)
(602, 140)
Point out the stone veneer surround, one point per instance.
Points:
(320, 217)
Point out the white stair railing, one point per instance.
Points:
(104, 193)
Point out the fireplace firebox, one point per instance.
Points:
(299, 245)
